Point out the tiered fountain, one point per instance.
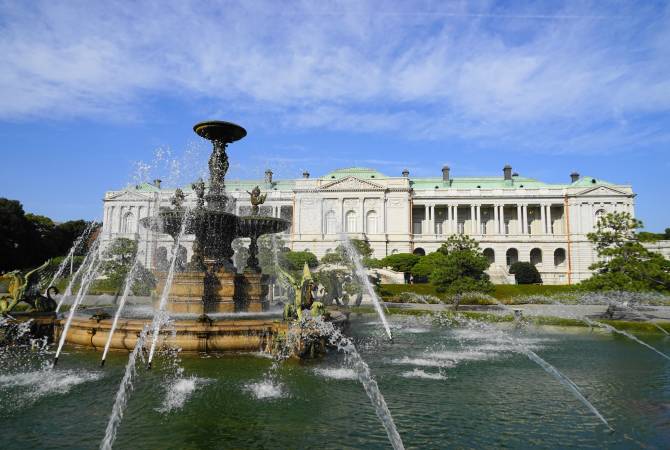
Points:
(214, 308)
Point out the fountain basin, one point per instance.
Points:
(255, 226)
(219, 130)
(223, 334)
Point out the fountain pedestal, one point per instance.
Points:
(218, 291)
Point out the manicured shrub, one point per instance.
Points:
(525, 273)
(296, 260)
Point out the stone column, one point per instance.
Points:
(524, 216)
(519, 228)
(543, 219)
(473, 230)
(361, 208)
(342, 218)
(496, 219)
(383, 201)
(550, 225)
(456, 218)
(323, 225)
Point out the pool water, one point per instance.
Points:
(445, 385)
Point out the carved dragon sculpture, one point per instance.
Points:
(304, 299)
(24, 288)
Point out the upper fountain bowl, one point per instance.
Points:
(218, 130)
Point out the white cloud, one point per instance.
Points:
(474, 71)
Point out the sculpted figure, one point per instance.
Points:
(257, 199)
(24, 289)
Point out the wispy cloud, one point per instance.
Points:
(569, 77)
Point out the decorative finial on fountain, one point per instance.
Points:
(256, 199)
(199, 189)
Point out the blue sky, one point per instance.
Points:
(96, 95)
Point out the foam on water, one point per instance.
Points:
(336, 373)
(418, 373)
(40, 383)
(465, 355)
(415, 330)
(422, 362)
(179, 391)
(266, 389)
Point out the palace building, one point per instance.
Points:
(514, 218)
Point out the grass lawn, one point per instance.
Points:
(502, 291)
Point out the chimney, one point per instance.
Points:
(405, 173)
(268, 176)
(305, 174)
(574, 176)
(507, 172)
(157, 183)
(445, 173)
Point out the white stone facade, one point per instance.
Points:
(512, 217)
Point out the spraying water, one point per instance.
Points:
(126, 291)
(551, 370)
(346, 346)
(362, 275)
(83, 290)
(611, 329)
(122, 394)
(85, 267)
(75, 246)
(160, 314)
(624, 333)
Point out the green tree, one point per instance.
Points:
(362, 247)
(463, 268)
(401, 262)
(332, 258)
(19, 240)
(296, 260)
(426, 265)
(525, 273)
(118, 260)
(625, 264)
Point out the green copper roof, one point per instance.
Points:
(358, 172)
(589, 181)
(425, 183)
(146, 187)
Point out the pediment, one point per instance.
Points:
(352, 184)
(602, 191)
(127, 196)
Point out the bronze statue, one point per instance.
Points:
(199, 189)
(25, 289)
(256, 199)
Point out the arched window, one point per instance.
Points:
(512, 256)
(419, 251)
(128, 225)
(331, 222)
(350, 226)
(371, 222)
(599, 215)
(394, 251)
(559, 257)
(536, 256)
(490, 255)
